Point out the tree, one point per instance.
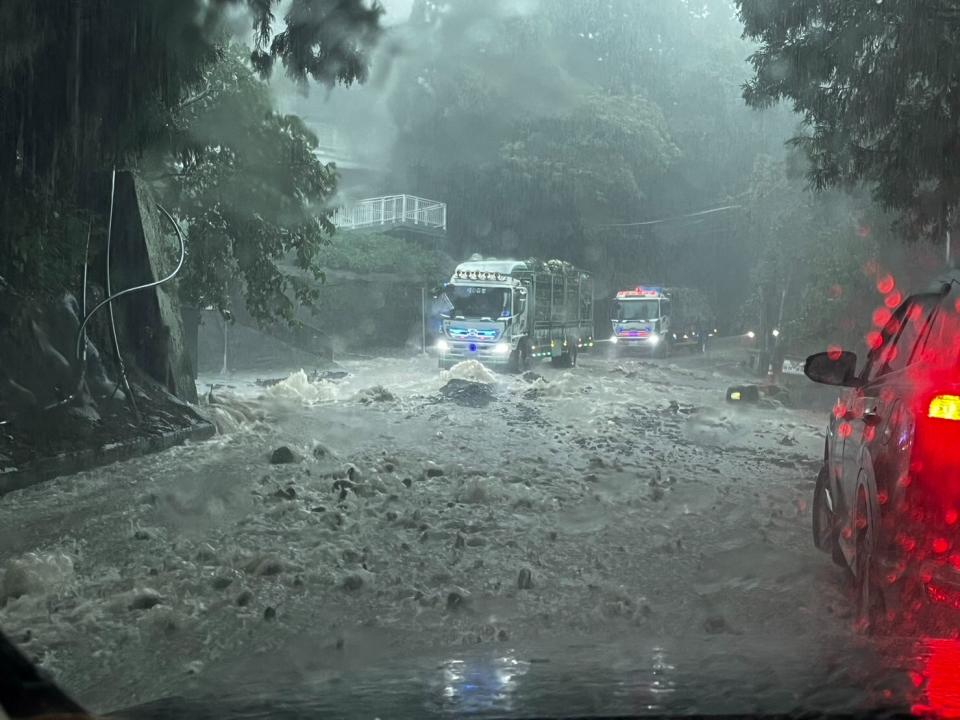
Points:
(878, 87)
(581, 116)
(252, 192)
(90, 85)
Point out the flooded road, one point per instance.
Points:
(615, 506)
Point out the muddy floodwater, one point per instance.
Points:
(348, 521)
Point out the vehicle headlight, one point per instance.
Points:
(502, 348)
(442, 346)
(654, 339)
(613, 339)
(751, 334)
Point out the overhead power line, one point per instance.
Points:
(661, 221)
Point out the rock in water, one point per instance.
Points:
(377, 393)
(525, 579)
(283, 455)
(455, 601)
(467, 392)
(352, 582)
(145, 599)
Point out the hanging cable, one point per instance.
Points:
(80, 336)
(145, 286)
(113, 322)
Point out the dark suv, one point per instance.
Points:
(887, 499)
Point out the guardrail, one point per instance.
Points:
(393, 210)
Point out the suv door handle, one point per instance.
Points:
(871, 418)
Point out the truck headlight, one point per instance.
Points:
(502, 348)
(654, 339)
(613, 339)
(442, 346)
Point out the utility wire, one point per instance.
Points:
(661, 221)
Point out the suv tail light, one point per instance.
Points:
(944, 407)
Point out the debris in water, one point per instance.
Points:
(352, 582)
(283, 455)
(525, 579)
(377, 393)
(145, 599)
(264, 566)
(743, 393)
(455, 601)
(471, 371)
(716, 624)
(467, 392)
(35, 573)
(266, 382)
(269, 614)
(329, 375)
(244, 598)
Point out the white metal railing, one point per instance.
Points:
(393, 210)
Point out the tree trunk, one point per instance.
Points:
(77, 72)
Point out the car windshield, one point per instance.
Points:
(480, 358)
(474, 301)
(636, 309)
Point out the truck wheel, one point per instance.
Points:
(567, 359)
(520, 358)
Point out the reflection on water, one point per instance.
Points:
(471, 685)
(937, 678)
(477, 684)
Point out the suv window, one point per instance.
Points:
(901, 336)
(940, 342)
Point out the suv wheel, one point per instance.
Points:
(824, 520)
(870, 606)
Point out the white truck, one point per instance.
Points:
(509, 313)
(657, 320)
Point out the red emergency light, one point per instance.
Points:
(639, 292)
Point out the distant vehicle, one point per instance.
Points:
(886, 502)
(509, 313)
(657, 320)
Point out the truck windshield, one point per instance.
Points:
(472, 301)
(636, 309)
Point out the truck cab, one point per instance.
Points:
(508, 313)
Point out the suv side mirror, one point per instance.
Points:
(830, 368)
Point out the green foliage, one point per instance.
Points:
(89, 84)
(42, 243)
(814, 247)
(92, 84)
(252, 192)
(878, 86)
(543, 124)
(375, 253)
(603, 152)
